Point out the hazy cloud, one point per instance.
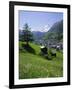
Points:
(44, 28)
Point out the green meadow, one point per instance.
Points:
(33, 65)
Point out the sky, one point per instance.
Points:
(38, 21)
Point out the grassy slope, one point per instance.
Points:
(35, 66)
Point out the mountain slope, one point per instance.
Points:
(57, 27)
(55, 32)
(38, 35)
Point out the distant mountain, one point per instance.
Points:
(38, 35)
(55, 32)
(57, 27)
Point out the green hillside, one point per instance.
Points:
(32, 65)
(55, 32)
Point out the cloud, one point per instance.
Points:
(44, 28)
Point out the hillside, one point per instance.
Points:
(38, 35)
(55, 32)
(35, 66)
(57, 27)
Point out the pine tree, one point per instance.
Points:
(27, 36)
